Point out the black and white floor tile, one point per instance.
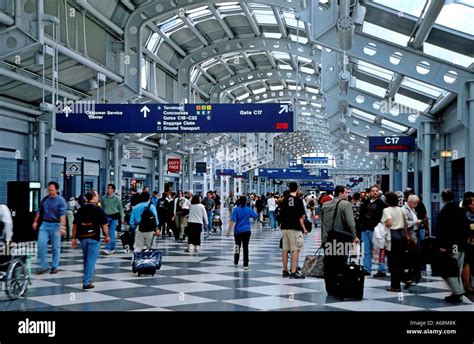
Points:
(209, 281)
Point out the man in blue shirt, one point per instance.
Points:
(53, 215)
(143, 236)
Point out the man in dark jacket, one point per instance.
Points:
(370, 214)
(452, 238)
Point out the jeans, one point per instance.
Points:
(90, 250)
(209, 219)
(49, 231)
(112, 227)
(368, 248)
(273, 223)
(240, 238)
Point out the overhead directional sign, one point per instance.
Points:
(392, 144)
(176, 118)
(225, 172)
(320, 160)
(294, 173)
(323, 186)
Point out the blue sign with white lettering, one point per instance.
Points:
(225, 172)
(175, 118)
(323, 186)
(294, 173)
(320, 160)
(392, 144)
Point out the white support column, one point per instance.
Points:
(235, 185)
(258, 186)
(240, 186)
(161, 171)
(469, 178)
(42, 156)
(442, 164)
(117, 164)
(212, 173)
(391, 167)
(190, 171)
(204, 183)
(427, 168)
(404, 170)
(416, 169)
(222, 186)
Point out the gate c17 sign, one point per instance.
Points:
(392, 144)
(174, 165)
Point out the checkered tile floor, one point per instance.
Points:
(209, 281)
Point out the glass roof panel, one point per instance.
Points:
(458, 16)
(271, 35)
(307, 70)
(393, 126)
(264, 17)
(363, 115)
(422, 87)
(411, 105)
(448, 55)
(373, 89)
(386, 34)
(413, 7)
(375, 70)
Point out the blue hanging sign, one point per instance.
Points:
(176, 118)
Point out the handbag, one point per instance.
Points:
(314, 265)
(308, 225)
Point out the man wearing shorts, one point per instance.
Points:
(292, 225)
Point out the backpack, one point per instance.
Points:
(147, 220)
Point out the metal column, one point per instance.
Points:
(31, 153)
(154, 165)
(442, 163)
(258, 186)
(190, 171)
(427, 167)
(117, 165)
(42, 156)
(222, 186)
(416, 173)
(240, 186)
(391, 167)
(404, 170)
(161, 171)
(470, 140)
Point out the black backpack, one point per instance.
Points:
(147, 220)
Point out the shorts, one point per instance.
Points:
(292, 240)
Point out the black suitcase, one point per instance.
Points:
(350, 282)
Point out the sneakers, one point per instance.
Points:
(380, 274)
(107, 252)
(296, 275)
(298, 269)
(285, 273)
(88, 286)
(246, 268)
(54, 271)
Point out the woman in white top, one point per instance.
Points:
(394, 219)
(197, 217)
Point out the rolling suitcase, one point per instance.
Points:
(350, 282)
(146, 262)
